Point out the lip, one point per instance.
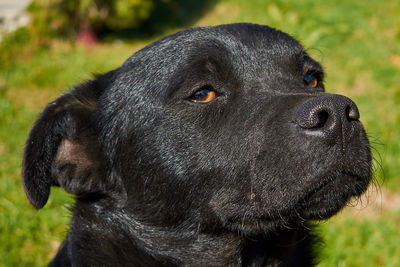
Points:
(253, 225)
(320, 187)
(331, 195)
(350, 182)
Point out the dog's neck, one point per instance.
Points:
(144, 245)
(193, 248)
(184, 245)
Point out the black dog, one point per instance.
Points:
(213, 146)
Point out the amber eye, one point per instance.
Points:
(204, 95)
(311, 80)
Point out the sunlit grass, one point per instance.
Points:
(367, 242)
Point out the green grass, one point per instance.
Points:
(372, 242)
(357, 41)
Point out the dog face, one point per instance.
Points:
(226, 127)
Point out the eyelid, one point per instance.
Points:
(199, 86)
(317, 74)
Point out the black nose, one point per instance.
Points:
(328, 116)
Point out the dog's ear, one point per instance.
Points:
(63, 148)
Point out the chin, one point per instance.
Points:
(322, 202)
(330, 197)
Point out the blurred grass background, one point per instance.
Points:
(357, 41)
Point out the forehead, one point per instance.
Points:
(254, 53)
(250, 53)
(248, 43)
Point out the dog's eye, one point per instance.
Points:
(204, 95)
(311, 80)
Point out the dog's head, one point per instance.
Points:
(225, 127)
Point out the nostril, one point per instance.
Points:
(352, 113)
(313, 119)
(323, 117)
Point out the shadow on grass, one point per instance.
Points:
(166, 15)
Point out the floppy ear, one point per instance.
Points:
(63, 148)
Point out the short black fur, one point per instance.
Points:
(162, 180)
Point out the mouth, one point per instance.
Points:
(323, 201)
(331, 195)
(251, 226)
